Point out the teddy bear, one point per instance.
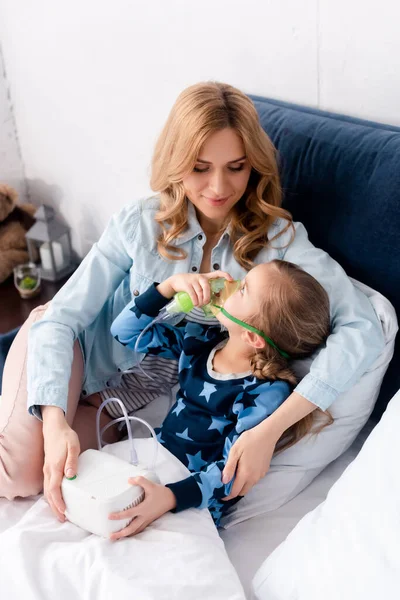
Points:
(15, 220)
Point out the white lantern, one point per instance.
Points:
(50, 240)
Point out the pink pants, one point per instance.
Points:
(21, 438)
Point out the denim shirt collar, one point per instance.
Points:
(194, 227)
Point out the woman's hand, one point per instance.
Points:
(249, 460)
(197, 286)
(61, 451)
(250, 456)
(158, 500)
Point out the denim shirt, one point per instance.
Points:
(125, 262)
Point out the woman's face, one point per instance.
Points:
(220, 176)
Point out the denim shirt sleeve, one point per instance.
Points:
(73, 309)
(356, 338)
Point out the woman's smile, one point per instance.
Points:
(216, 201)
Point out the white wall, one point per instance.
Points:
(11, 167)
(92, 81)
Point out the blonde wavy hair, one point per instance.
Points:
(199, 111)
(294, 313)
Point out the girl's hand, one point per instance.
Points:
(158, 500)
(248, 460)
(197, 286)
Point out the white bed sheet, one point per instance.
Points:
(249, 543)
(178, 557)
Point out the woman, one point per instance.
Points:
(218, 207)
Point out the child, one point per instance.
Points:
(229, 380)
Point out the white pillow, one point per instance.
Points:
(293, 469)
(349, 546)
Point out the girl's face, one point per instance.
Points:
(219, 178)
(246, 301)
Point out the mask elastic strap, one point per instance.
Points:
(253, 330)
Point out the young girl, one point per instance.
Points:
(230, 380)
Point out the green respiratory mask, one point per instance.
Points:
(221, 290)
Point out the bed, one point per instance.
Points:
(341, 178)
(179, 556)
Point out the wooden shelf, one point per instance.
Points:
(14, 311)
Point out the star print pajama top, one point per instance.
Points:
(212, 409)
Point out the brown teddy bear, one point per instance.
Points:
(15, 220)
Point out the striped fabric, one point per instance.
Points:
(137, 389)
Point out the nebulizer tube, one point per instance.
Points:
(127, 418)
(162, 316)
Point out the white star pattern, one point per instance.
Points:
(247, 383)
(208, 389)
(218, 423)
(184, 362)
(179, 407)
(195, 461)
(184, 435)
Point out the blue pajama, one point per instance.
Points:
(210, 413)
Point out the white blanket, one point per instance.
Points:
(348, 548)
(180, 556)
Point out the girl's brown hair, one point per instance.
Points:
(199, 111)
(295, 315)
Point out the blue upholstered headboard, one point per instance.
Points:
(341, 178)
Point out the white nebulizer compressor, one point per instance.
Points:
(101, 486)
